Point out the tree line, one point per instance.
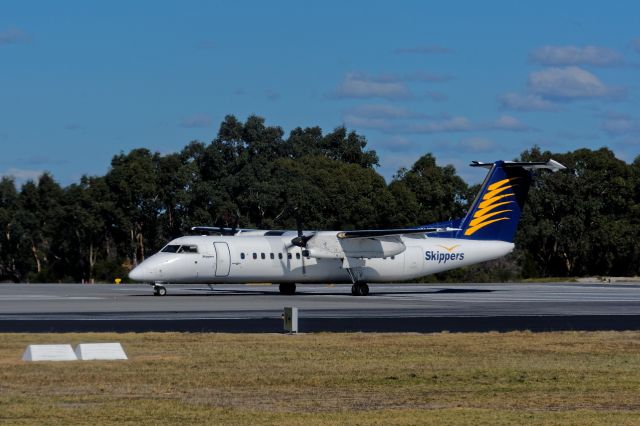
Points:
(583, 221)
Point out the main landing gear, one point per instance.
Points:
(360, 289)
(159, 290)
(288, 288)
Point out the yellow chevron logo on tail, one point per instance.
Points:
(498, 194)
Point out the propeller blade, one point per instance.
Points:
(236, 222)
(298, 223)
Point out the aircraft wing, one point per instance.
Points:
(374, 243)
(217, 230)
(373, 233)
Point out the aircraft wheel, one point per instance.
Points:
(287, 288)
(364, 289)
(360, 289)
(159, 290)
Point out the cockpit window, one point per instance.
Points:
(171, 248)
(188, 249)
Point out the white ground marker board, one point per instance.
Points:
(49, 353)
(102, 351)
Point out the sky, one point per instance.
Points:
(83, 81)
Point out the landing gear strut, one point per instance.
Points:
(360, 289)
(159, 290)
(288, 288)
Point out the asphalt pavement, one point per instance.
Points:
(258, 308)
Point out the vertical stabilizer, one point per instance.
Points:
(495, 212)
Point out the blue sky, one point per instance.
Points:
(82, 81)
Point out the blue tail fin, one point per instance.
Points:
(495, 212)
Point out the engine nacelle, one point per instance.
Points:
(327, 245)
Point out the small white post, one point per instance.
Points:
(291, 320)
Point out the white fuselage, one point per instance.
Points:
(247, 258)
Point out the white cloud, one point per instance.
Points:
(507, 122)
(425, 76)
(356, 85)
(574, 55)
(576, 136)
(452, 124)
(13, 36)
(22, 175)
(387, 86)
(569, 83)
(476, 145)
(620, 124)
(436, 96)
(528, 102)
(356, 121)
(397, 144)
(377, 116)
(41, 160)
(73, 127)
(272, 95)
(423, 50)
(383, 111)
(394, 122)
(391, 163)
(463, 124)
(197, 120)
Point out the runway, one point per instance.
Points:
(258, 308)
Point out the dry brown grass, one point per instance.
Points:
(184, 378)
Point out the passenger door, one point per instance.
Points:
(223, 259)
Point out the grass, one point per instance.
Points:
(186, 378)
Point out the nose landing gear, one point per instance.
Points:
(159, 290)
(287, 288)
(360, 289)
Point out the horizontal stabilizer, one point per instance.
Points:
(552, 165)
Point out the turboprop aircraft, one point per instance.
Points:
(358, 257)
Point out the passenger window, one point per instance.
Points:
(297, 255)
(255, 256)
(279, 255)
(241, 255)
(288, 255)
(262, 256)
(272, 256)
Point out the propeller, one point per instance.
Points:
(301, 240)
(234, 229)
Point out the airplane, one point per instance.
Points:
(358, 257)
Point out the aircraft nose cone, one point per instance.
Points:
(139, 273)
